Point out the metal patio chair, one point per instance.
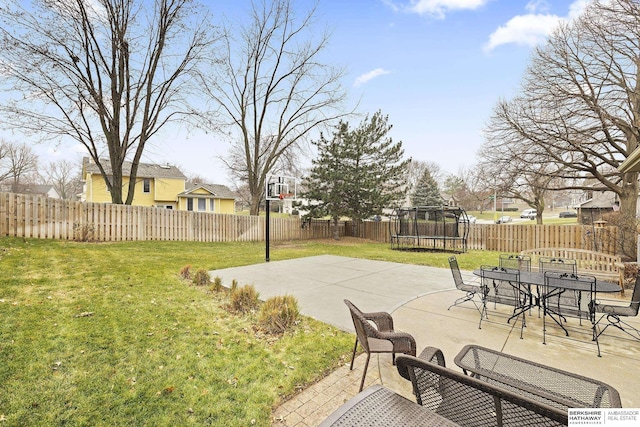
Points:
(566, 295)
(471, 289)
(380, 338)
(503, 286)
(518, 262)
(560, 265)
(613, 314)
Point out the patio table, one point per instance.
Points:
(543, 383)
(379, 406)
(537, 278)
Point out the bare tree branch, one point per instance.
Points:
(273, 89)
(578, 115)
(107, 73)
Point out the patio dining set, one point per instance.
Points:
(492, 388)
(555, 289)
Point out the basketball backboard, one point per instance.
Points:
(280, 187)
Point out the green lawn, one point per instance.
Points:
(108, 334)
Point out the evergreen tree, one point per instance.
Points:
(357, 173)
(426, 192)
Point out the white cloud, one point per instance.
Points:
(364, 78)
(534, 27)
(391, 5)
(527, 30)
(438, 8)
(537, 6)
(577, 7)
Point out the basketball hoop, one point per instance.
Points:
(281, 188)
(278, 188)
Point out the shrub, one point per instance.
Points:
(201, 278)
(234, 285)
(217, 284)
(83, 232)
(244, 299)
(185, 272)
(278, 314)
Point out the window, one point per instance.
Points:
(213, 205)
(202, 205)
(189, 203)
(146, 185)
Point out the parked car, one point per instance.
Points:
(503, 219)
(568, 214)
(472, 219)
(529, 214)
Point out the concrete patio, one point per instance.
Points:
(418, 298)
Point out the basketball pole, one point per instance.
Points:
(266, 230)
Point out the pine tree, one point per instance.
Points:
(426, 192)
(357, 172)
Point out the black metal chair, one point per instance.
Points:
(581, 290)
(513, 262)
(471, 289)
(380, 338)
(502, 285)
(518, 262)
(613, 314)
(560, 265)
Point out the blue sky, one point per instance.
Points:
(436, 67)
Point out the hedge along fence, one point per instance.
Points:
(45, 218)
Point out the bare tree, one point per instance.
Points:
(65, 177)
(513, 166)
(273, 89)
(477, 191)
(579, 105)
(106, 73)
(18, 164)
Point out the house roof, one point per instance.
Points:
(145, 170)
(631, 163)
(36, 189)
(600, 199)
(216, 190)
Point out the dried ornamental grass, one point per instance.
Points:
(185, 272)
(278, 314)
(244, 299)
(201, 278)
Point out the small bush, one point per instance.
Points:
(278, 314)
(83, 232)
(185, 272)
(201, 278)
(234, 285)
(244, 299)
(217, 284)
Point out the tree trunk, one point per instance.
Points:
(336, 234)
(254, 207)
(628, 206)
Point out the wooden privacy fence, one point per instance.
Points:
(45, 218)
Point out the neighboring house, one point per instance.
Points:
(449, 200)
(39, 190)
(597, 204)
(207, 198)
(162, 186)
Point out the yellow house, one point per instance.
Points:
(207, 198)
(162, 186)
